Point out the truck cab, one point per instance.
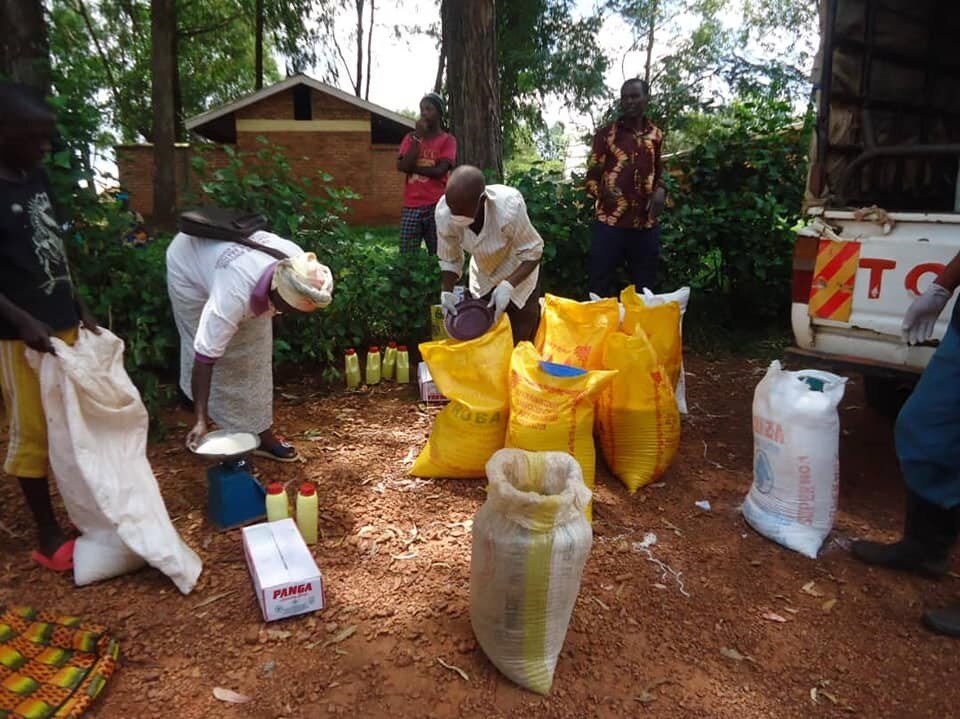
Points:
(882, 201)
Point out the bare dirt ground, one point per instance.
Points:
(637, 645)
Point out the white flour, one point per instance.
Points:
(226, 445)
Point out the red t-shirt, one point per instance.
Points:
(420, 191)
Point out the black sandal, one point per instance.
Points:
(282, 451)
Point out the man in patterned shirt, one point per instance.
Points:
(624, 178)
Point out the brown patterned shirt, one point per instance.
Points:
(625, 168)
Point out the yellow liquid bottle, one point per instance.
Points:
(373, 366)
(352, 369)
(307, 510)
(277, 507)
(390, 362)
(403, 365)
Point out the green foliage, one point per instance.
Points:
(736, 196)
(264, 181)
(563, 216)
(104, 49)
(699, 61)
(380, 296)
(544, 51)
(545, 150)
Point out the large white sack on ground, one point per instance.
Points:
(530, 543)
(681, 297)
(796, 461)
(97, 434)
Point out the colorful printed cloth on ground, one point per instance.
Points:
(51, 666)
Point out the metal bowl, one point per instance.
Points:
(223, 444)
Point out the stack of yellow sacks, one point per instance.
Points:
(588, 369)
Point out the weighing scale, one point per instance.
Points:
(234, 496)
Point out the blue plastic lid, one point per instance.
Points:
(561, 370)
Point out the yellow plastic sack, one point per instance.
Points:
(661, 323)
(573, 333)
(637, 415)
(554, 414)
(474, 376)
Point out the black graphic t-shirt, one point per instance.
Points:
(34, 274)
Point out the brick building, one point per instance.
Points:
(323, 129)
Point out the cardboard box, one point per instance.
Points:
(284, 573)
(429, 392)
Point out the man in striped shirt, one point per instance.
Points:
(490, 222)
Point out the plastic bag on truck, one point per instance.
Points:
(552, 408)
(530, 543)
(573, 333)
(97, 429)
(474, 376)
(668, 345)
(796, 462)
(637, 417)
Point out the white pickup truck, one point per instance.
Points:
(882, 192)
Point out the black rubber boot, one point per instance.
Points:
(929, 534)
(944, 621)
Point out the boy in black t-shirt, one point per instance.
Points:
(37, 301)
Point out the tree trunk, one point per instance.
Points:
(441, 61)
(470, 37)
(163, 24)
(373, 7)
(258, 52)
(359, 86)
(650, 38)
(179, 128)
(24, 52)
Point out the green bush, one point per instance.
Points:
(736, 197)
(563, 215)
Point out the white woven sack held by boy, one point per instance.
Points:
(796, 462)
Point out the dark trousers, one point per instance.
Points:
(611, 246)
(928, 428)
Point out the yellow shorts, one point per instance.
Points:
(27, 445)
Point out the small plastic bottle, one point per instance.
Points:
(307, 510)
(277, 507)
(403, 365)
(390, 361)
(373, 366)
(352, 369)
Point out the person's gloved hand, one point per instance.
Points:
(448, 301)
(500, 299)
(921, 318)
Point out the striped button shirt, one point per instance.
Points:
(506, 240)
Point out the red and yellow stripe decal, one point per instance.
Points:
(834, 274)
